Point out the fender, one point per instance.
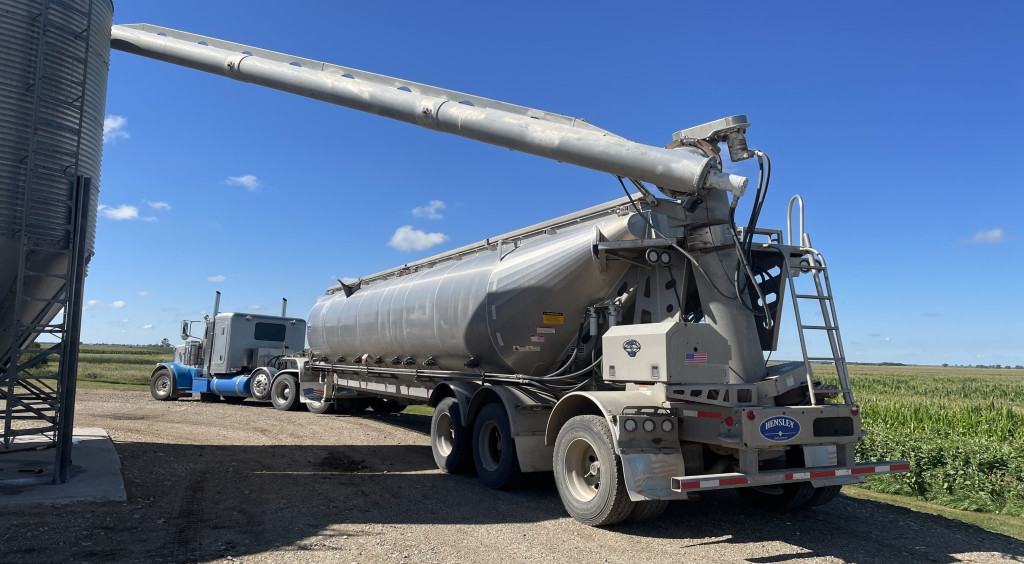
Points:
(461, 391)
(181, 373)
(527, 410)
(647, 472)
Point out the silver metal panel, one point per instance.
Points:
(487, 306)
(235, 346)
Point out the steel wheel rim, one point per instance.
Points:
(489, 446)
(163, 385)
(582, 469)
(284, 391)
(260, 384)
(444, 434)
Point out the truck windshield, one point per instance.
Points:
(270, 332)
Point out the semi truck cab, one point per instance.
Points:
(235, 357)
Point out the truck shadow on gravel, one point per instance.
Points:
(191, 503)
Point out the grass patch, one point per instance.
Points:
(1003, 524)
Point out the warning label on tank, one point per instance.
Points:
(536, 338)
(520, 348)
(553, 318)
(545, 329)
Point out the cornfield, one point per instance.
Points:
(962, 429)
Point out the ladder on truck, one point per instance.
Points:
(816, 267)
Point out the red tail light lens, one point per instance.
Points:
(854, 411)
(751, 415)
(729, 421)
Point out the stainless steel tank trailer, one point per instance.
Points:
(621, 346)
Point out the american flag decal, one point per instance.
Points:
(313, 394)
(696, 358)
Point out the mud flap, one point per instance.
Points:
(649, 476)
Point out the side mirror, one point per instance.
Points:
(184, 330)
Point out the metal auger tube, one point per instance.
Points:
(682, 170)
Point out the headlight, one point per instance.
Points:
(649, 425)
(629, 425)
(666, 425)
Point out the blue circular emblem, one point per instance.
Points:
(309, 327)
(631, 347)
(780, 428)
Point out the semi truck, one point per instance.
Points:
(237, 356)
(621, 347)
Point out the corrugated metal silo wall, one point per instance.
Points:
(54, 58)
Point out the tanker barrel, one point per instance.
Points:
(557, 137)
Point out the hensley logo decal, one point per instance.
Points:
(780, 428)
(631, 347)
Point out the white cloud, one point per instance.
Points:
(118, 304)
(216, 279)
(254, 306)
(987, 236)
(92, 303)
(430, 210)
(147, 326)
(158, 205)
(885, 339)
(408, 239)
(124, 211)
(249, 181)
(114, 128)
(144, 293)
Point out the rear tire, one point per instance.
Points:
(320, 407)
(494, 449)
(647, 510)
(783, 497)
(381, 405)
(821, 496)
(449, 439)
(161, 385)
(284, 393)
(589, 474)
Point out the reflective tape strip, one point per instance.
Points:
(900, 467)
(705, 484)
(706, 414)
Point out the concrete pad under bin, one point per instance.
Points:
(26, 476)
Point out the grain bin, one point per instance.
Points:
(54, 58)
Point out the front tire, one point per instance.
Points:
(161, 384)
(449, 439)
(284, 393)
(494, 449)
(589, 474)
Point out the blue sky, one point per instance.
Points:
(899, 124)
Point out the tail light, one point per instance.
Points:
(729, 421)
(751, 415)
(854, 411)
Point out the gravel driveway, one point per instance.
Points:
(246, 483)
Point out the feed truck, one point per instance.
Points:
(621, 347)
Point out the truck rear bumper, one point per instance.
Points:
(826, 476)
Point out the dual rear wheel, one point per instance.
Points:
(489, 446)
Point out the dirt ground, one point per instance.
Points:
(246, 483)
